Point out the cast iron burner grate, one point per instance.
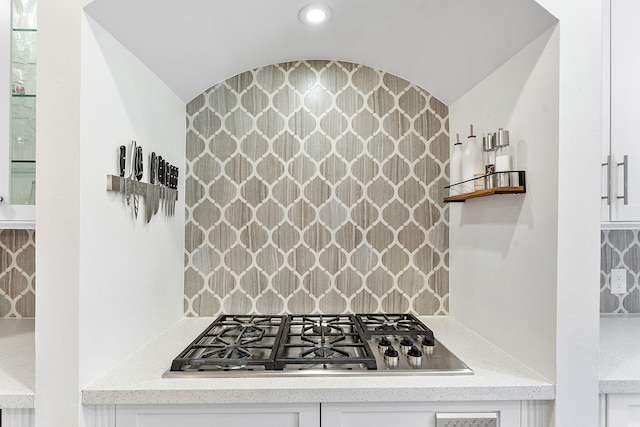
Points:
(399, 324)
(323, 341)
(232, 342)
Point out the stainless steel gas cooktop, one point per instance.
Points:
(302, 345)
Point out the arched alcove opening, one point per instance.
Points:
(316, 186)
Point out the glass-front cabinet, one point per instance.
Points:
(18, 114)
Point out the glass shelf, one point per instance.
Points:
(23, 102)
(23, 182)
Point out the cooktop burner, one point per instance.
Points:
(316, 344)
(321, 340)
(232, 342)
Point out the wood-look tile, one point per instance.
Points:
(206, 123)
(254, 101)
(17, 273)
(196, 104)
(332, 302)
(195, 145)
(270, 303)
(412, 102)
(271, 79)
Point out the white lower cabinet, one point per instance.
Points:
(378, 414)
(421, 414)
(10, 417)
(623, 410)
(236, 415)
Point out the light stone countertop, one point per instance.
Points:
(498, 376)
(17, 363)
(620, 354)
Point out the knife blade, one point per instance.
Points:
(122, 161)
(167, 177)
(129, 186)
(137, 175)
(148, 203)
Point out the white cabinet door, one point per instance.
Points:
(17, 163)
(17, 417)
(236, 415)
(421, 414)
(623, 410)
(624, 110)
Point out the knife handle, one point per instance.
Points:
(152, 168)
(160, 170)
(139, 163)
(122, 159)
(175, 178)
(167, 174)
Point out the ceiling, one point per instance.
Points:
(444, 46)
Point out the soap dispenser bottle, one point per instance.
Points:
(472, 164)
(455, 168)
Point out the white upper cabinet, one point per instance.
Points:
(621, 113)
(18, 113)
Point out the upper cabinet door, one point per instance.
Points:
(18, 113)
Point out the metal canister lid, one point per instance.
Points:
(489, 142)
(502, 137)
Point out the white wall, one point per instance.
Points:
(503, 248)
(578, 292)
(575, 252)
(131, 273)
(58, 214)
(106, 282)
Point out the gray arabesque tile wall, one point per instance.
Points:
(17, 273)
(316, 187)
(620, 249)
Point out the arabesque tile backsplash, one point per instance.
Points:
(316, 187)
(620, 249)
(17, 273)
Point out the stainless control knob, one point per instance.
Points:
(405, 345)
(428, 344)
(414, 357)
(383, 344)
(391, 357)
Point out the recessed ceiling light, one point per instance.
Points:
(315, 14)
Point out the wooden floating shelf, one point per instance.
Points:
(519, 189)
(484, 193)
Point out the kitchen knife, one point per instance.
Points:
(148, 203)
(137, 176)
(122, 162)
(174, 183)
(167, 174)
(175, 187)
(156, 187)
(173, 192)
(169, 188)
(129, 183)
